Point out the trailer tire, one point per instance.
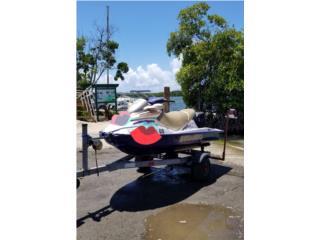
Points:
(141, 159)
(201, 170)
(78, 182)
(144, 170)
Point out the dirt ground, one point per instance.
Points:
(125, 204)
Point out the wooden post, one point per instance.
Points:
(226, 127)
(166, 95)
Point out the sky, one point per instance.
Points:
(142, 30)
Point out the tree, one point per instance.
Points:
(212, 59)
(103, 52)
(95, 58)
(85, 63)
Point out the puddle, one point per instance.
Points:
(194, 221)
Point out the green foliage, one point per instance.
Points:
(83, 84)
(121, 68)
(93, 61)
(218, 21)
(212, 59)
(82, 114)
(85, 61)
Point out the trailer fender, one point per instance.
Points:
(198, 157)
(203, 156)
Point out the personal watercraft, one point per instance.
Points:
(145, 129)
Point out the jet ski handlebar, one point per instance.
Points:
(154, 100)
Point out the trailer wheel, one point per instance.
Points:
(78, 182)
(144, 170)
(201, 170)
(143, 158)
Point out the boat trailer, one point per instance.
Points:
(194, 161)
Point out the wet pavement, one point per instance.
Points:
(193, 221)
(125, 204)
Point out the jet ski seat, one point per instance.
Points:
(177, 120)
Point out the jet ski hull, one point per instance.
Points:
(168, 142)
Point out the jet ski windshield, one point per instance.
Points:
(137, 105)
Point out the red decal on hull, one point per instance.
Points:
(145, 136)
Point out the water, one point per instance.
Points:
(194, 221)
(178, 103)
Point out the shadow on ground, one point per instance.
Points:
(153, 191)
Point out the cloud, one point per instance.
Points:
(176, 64)
(151, 77)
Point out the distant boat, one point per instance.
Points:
(123, 102)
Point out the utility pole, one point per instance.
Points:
(108, 38)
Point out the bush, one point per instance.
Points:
(83, 84)
(82, 114)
